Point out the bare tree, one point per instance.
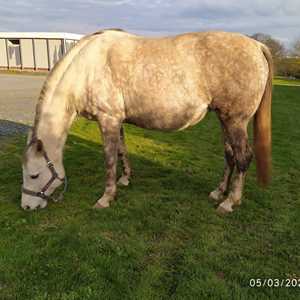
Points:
(276, 47)
(296, 48)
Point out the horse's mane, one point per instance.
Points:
(56, 74)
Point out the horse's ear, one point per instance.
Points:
(39, 146)
(29, 136)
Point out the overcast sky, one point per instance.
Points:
(280, 18)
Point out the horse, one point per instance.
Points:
(165, 83)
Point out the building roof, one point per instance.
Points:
(45, 35)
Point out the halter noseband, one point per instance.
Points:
(54, 176)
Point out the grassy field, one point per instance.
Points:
(162, 238)
(279, 80)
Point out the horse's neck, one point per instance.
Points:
(54, 115)
(53, 125)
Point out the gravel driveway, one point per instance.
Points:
(18, 96)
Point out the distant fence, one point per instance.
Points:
(32, 53)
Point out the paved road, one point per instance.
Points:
(18, 96)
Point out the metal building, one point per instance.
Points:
(34, 50)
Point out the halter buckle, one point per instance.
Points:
(50, 164)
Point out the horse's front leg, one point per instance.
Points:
(110, 129)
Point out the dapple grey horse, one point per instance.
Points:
(168, 83)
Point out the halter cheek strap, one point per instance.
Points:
(54, 175)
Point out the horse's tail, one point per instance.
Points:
(262, 128)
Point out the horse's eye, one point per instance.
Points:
(34, 176)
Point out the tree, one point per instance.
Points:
(276, 47)
(296, 48)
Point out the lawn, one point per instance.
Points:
(279, 80)
(162, 238)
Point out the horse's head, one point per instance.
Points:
(41, 176)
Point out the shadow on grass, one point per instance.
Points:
(8, 128)
(84, 164)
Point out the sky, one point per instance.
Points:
(280, 18)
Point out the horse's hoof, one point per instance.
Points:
(224, 209)
(100, 206)
(216, 196)
(123, 181)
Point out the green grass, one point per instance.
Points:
(161, 239)
(280, 80)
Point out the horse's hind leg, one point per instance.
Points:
(122, 152)
(218, 194)
(110, 129)
(238, 139)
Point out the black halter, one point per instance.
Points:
(54, 176)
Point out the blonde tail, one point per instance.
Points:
(262, 128)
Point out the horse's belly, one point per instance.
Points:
(196, 118)
(169, 119)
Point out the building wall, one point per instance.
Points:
(27, 53)
(3, 55)
(41, 56)
(33, 53)
(70, 44)
(14, 54)
(55, 51)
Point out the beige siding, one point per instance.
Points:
(41, 53)
(34, 50)
(14, 55)
(70, 44)
(55, 51)
(27, 53)
(3, 57)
